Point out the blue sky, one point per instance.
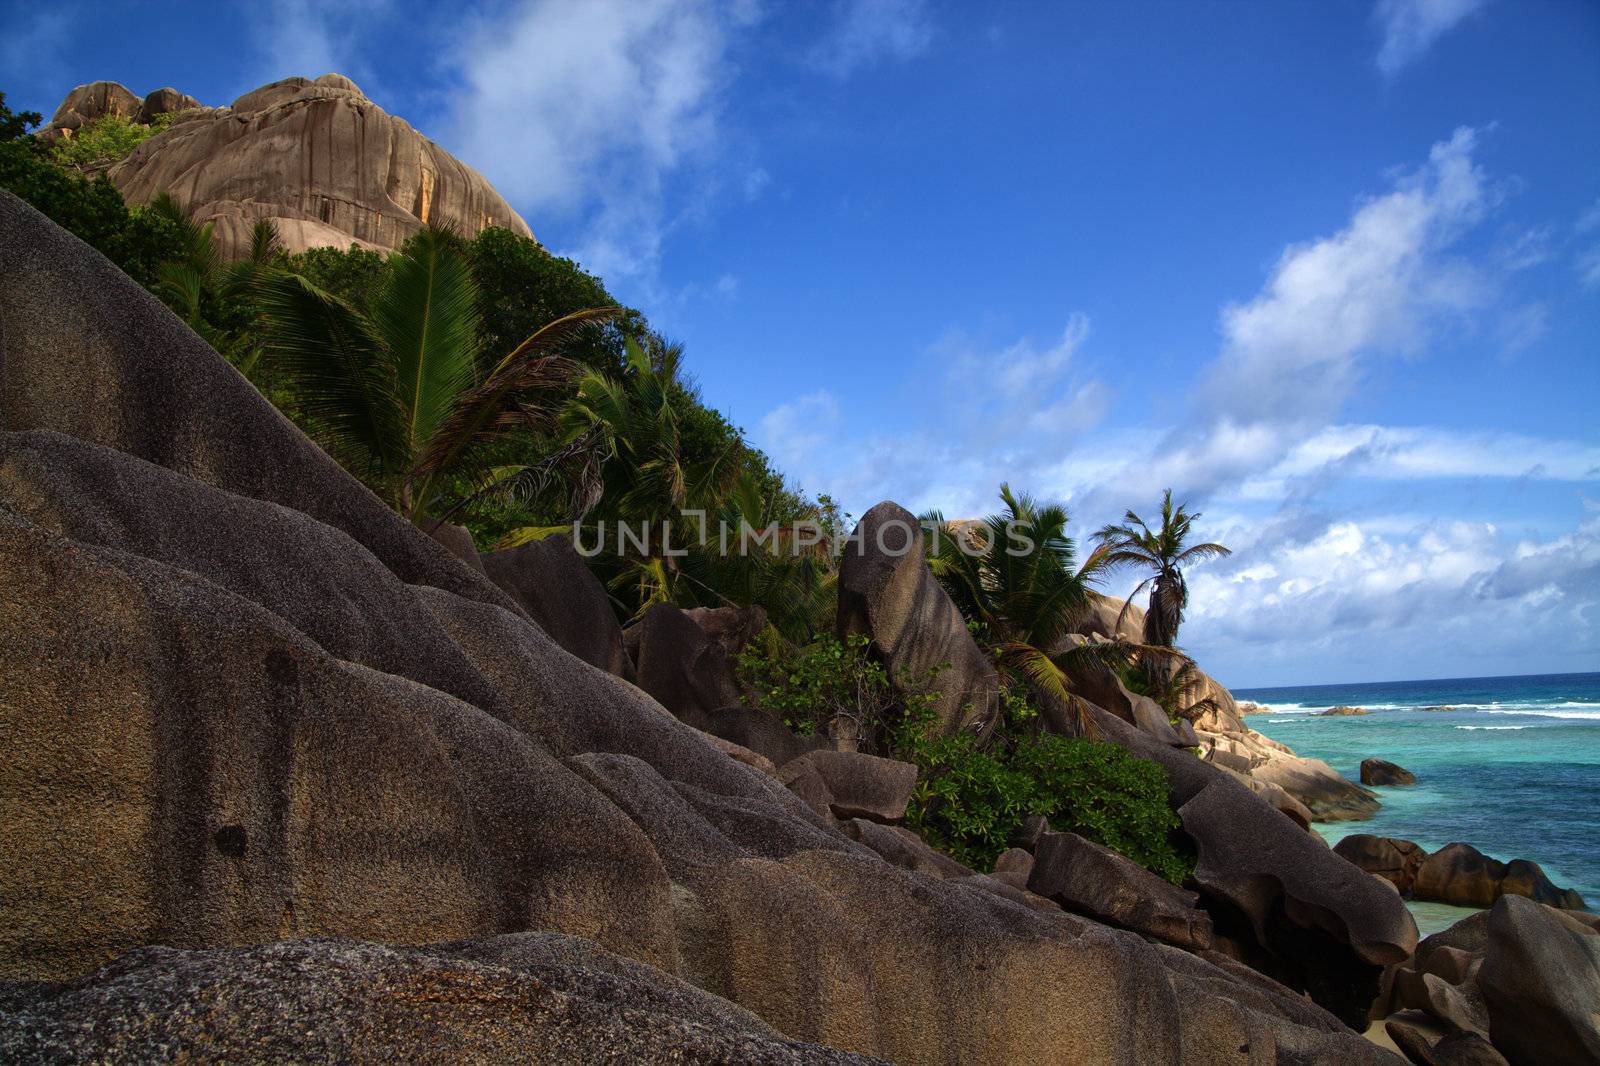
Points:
(1330, 270)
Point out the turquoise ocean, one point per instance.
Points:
(1510, 765)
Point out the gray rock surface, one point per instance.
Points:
(887, 593)
(1382, 772)
(1461, 874)
(1085, 878)
(1396, 861)
(687, 660)
(528, 998)
(549, 580)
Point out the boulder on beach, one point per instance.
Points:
(888, 594)
(1519, 983)
(1381, 772)
(1461, 874)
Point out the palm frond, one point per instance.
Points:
(338, 368)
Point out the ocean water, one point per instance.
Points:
(1512, 768)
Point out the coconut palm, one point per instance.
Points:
(629, 455)
(1162, 552)
(1013, 576)
(397, 394)
(209, 293)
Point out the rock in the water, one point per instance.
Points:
(887, 593)
(686, 659)
(1342, 712)
(1380, 772)
(529, 998)
(549, 580)
(859, 785)
(317, 158)
(1461, 874)
(1396, 861)
(1089, 879)
(1541, 980)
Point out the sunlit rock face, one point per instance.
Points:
(327, 165)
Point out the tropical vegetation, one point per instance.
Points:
(484, 381)
(1162, 552)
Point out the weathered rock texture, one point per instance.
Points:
(687, 660)
(534, 997)
(1523, 976)
(1461, 874)
(1088, 879)
(1383, 772)
(1396, 861)
(887, 593)
(245, 702)
(549, 580)
(317, 158)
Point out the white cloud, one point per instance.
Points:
(1374, 604)
(866, 31)
(587, 109)
(1588, 265)
(756, 182)
(306, 39)
(1410, 27)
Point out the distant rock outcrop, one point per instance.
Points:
(1383, 772)
(324, 163)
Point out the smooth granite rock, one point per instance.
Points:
(320, 160)
(550, 581)
(1381, 772)
(887, 593)
(1085, 878)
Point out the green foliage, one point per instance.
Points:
(136, 240)
(522, 287)
(105, 140)
(1162, 552)
(1014, 578)
(969, 801)
(352, 274)
(972, 794)
(395, 392)
(829, 679)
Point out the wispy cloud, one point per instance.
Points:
(588, 109)
(1410, 27)
(300, 37)
(865, 32)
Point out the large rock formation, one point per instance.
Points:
(244, 702)
(317, 158)
(1461, 874)
(1523, 976)
(887, 593)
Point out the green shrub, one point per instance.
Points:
(972, 794)
(829, 678)
(968, 801)
(105, 140)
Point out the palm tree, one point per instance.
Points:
(629, 455)
(397, 395)
(1161, 551)
(1013, 577)
(210, 294)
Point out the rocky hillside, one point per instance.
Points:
(245, 703)
(318, 158)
